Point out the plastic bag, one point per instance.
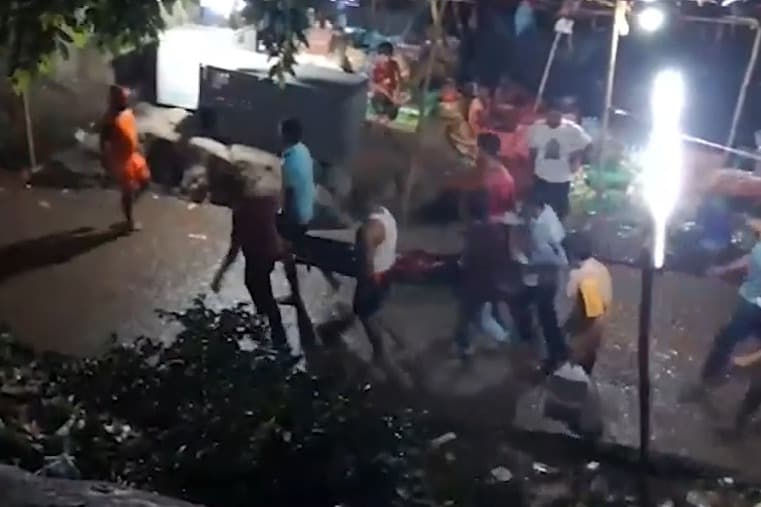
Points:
(573, 399)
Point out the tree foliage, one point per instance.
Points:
(33, 31)
(283, 25)
(206, 420)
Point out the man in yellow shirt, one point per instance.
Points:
(591, 288)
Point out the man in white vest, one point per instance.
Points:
(376, 254)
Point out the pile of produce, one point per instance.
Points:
(603, 187)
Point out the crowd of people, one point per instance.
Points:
(514, 252)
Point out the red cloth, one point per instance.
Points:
(254, 228)
(386, 75)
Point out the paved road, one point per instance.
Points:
(70, 291)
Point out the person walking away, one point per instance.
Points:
(557, 147)
(485, 271)
(254, 232)
(386, 84)
(745, 321)
(120, 154)
(542, 262)
(590, 287)
(376, 254)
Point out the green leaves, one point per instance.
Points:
(282, 26)
(217, 417)
(33, 31)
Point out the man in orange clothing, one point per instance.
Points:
(119, 152)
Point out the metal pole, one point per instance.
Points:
(744, 88)
(29, 130)
(547, 68)
(437, 11)
(643, 356)
(618, 15)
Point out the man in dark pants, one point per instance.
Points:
(544, 258)
(254, 232)
(745, 321)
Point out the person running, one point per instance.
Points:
(590, 287)
(386, 84)
(375, 248)
(298, 197)
(254, 233)
(544, 257)
(120, 154)
(557, 146)
(745, 321)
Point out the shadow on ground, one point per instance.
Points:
(57, 248)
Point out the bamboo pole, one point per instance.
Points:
(744, 88)
(437, 10)
(618, 16)
(547, 68)
(29, 130)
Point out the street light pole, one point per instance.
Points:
(618, 20)
(643, 356)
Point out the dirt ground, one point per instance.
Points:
(68, 288)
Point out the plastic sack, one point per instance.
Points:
(735, 183)
(573, 399)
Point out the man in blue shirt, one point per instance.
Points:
(298, 196)
(298, 177)
(745, 321)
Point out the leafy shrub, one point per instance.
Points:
(208, 421)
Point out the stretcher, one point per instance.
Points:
(339, 256)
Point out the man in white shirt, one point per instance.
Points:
(544, 257)
(557, 147)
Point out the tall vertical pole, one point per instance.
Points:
(547, 68)
(744, 88)
(618, 19)
(437, 11)
(29, 130)
(643, 357)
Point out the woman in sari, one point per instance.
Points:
(119, 152)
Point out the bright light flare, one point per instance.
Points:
(651, 19)
(223, 8)
(662, 161)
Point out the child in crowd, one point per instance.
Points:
(386, 84)
(590, 287)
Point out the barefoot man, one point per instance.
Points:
(119, 152)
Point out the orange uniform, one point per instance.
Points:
(121, 153)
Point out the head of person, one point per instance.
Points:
(478, 205)
(554, 115)
(117, 98)
(581, 247)
(385, 51)
(483, 92)
(488, 145)
(291, 131)
(534, 204)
